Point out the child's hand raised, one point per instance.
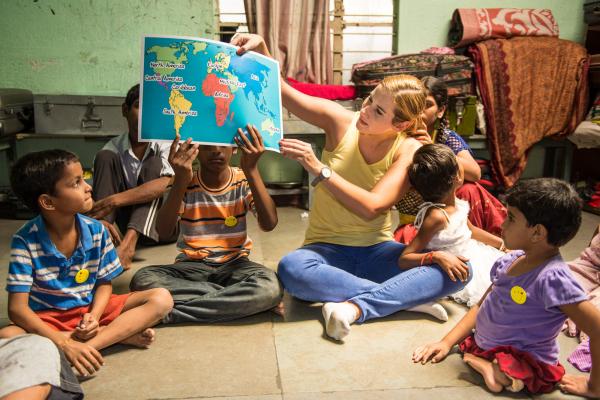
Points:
(251, 149)
(454, 266)
(434, 351)
(182, 158)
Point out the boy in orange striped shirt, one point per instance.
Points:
(212, 279)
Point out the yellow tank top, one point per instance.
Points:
(332, 222)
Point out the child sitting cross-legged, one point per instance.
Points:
(62, 264)
(444, 228)
(517, 321)
(212, 279)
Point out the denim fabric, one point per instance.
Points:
(205, 293)
(367, 276)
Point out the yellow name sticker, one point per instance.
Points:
(82, 275)
(518, 294)
(231, 221)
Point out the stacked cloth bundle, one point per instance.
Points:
(471, 25)
(531, 87)
(455, 70)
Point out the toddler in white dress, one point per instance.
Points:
(445, 235)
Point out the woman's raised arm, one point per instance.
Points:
(325, 114)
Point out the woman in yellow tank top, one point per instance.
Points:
(349, 259)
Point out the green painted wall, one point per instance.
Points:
(89, 47)
(425, 23)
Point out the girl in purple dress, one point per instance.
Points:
(517, 321)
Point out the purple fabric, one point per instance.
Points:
(581, 357)
(534, 325)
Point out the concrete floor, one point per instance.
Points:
(269, 357)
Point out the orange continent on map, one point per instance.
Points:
(221, 95)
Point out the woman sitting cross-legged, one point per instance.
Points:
(349, 257)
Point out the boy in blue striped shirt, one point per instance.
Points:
(62, 264)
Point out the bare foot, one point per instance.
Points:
(279, 309)
(126, 254)
(486, 369)
(143, 339)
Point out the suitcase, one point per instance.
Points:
(16, 110)
(455, 70)
(75, 114)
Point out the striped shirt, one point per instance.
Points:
(213, 222)
(38, 268)
(131, 164)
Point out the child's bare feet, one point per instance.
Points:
(279, 309)
(494, 379)
(143, 339)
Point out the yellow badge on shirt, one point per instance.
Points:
(518, 294)
(82, 275)
(231, 221)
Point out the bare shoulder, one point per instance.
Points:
(435, 219)
(341, 117)
(407, 149)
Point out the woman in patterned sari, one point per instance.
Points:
(486, 212)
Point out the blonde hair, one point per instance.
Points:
(409, 95)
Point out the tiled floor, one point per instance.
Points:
(268, 357)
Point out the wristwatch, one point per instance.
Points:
(323, 176)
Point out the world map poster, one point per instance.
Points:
(201, 89)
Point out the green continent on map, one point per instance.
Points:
(179, 104)
(268, 126)
(168, 55)
(198, 47)
(233, 81)
(219, 64)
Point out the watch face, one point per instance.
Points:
(326, 172)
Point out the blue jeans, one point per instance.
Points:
(366, 276)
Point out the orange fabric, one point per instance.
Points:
(68, 320)
(531, 88)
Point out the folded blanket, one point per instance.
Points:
(531, 87)
(475, 24)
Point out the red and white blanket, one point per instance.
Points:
(475, 24)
